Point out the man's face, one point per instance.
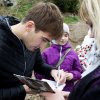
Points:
(36, 39)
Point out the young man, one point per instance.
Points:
(19, 48)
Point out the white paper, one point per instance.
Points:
(53, 84)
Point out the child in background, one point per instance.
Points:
(71, 64)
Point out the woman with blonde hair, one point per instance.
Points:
(90, 48)
(88, 87)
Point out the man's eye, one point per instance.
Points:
(45, 40)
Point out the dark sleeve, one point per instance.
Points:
(86, 90)
(41, 67)
(93, 93)
(44, 56)
(14, 93)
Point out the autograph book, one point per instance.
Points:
(37, 86)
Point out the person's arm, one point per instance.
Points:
(47, 70)
(76, 69)
(44, 57)
(12, 93)
(41, 67)
(92, 94)
(89, 91)
(73, 64)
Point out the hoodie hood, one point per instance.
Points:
(64, 47)
(5, 29)
(7, 21)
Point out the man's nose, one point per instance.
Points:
(62, 38)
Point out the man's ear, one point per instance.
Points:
(29, 25)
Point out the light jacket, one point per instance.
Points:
(89, 55)
(70, 64)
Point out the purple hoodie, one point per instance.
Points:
(71, 63)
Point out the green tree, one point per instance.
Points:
(67, 5)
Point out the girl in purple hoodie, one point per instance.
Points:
(71, 64)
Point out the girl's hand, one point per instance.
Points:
(69, 76)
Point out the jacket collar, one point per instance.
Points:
(64, 47)
(7, 21)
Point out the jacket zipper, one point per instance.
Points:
(24, 58)
(22, 48)
(60, 55)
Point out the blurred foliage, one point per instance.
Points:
(67, 5)
(71, 19)
(20, 9)
(22, 6)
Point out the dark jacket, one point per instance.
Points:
(16, 59)
(88, 88)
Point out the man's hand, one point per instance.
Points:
(28, 90)
(61, 79)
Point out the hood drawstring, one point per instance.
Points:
(60, 55)
(60, 52)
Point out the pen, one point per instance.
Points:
(59, 68)
(59, 78)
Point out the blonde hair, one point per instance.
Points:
(90, 13)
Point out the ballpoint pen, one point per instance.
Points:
(57, 84)
(59, 71)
